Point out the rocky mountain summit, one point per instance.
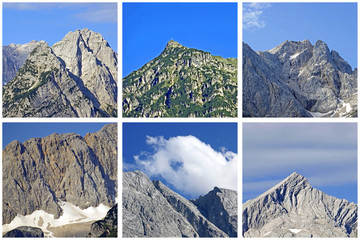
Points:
(43, 173)
(14, 56)
(298, 79)
(293, 208)
(182, 82)
(150, 209)
(76, 77)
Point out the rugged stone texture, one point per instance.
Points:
(150, 209)
(182, 82)
(25, 232)
(14, 56)
(293, 208)
(220, 207)
(146, 212)
(45, 85)
(297, 79)
(41, 172)
(89, 57)
(187, 209)
(106, 227)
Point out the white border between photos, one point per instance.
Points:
(120, 120)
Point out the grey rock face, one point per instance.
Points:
(313, 80)
(187, 209)
(220, 207)
(106, 227)
(293, 208)
(14, 56)
(150, 209)
(146, 212)
(89, 57)
(25, 232)
(41, 172)
(45, 85)
(182, 82)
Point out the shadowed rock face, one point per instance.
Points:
(293, 208)
(297, 79)
(150, 209)
(106, 227)
(77, 77)
(41, 172)
(25, 232)
(182, 82)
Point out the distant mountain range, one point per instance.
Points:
(76, 77)
(150, 209)
(59, 175)
(182, 82)
(298, 79)
(293, 208)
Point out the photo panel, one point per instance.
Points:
(179, 180)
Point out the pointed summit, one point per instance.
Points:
(173, 44)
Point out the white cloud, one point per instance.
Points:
(252, 13)
(189, 165)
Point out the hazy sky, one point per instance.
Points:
(190, 158)
(25, 131)
(24, 22)
(147, 27)
(267, 25)
(325, 153)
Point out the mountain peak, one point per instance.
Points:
(173, 44)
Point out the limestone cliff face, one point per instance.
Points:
(298, 79)
(150, 209)
(77, 77)
(41, 172)
(293, 208)
(182, 82)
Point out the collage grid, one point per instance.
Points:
(248, 130)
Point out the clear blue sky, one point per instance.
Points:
(147, 27)
(24, 22)
(324, 153)
(25, 131)
(268, 25)
(209, 143)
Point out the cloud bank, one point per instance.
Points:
(189, 165)
(252, 15)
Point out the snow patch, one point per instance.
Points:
(266, 234)
(295, 55)
(319, 114)
(294, 230)
(71, 214)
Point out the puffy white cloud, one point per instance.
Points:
(252, 15)
(189, 165)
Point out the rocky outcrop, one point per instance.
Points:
(293, 208)
(14, 56)
(106, 227)
(74, 78)
(41, 173)
(298, 79)
(25, 232)
(150, 209)
(220, 207)
(187, 209)
(182, 82)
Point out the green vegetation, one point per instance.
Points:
(175, 88)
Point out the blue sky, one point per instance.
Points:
(190, 158)
(147, 27)
(324, 153)
(267, 25)
(25, 131)
(24, 22)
